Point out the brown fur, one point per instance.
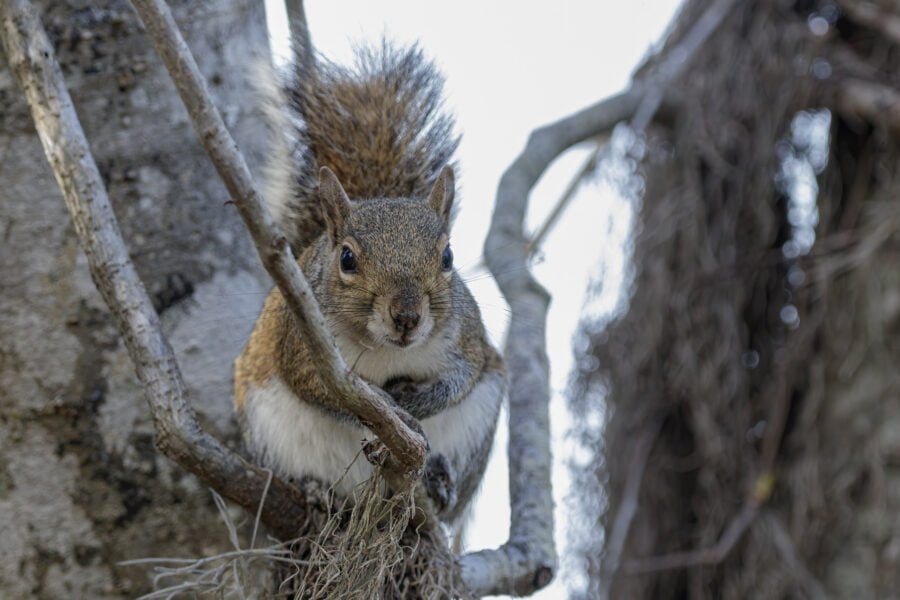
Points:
(378, 126)
(388, 198)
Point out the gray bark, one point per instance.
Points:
(81, 484)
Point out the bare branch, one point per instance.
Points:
(373, 407)
(782, 540)
(527, 561)
(676, 61)
(706, 556)
(299, 28)
(180, 437)
(652, 94)
(628, 505)
(590, 164)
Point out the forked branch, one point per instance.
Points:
(373, 407)
(180, 437)
(527, 561)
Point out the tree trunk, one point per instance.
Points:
(761, 371)
(81, 484)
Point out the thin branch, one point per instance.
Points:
(528, 560)
(301, 41)
(782, 540)
(706, 556)
(32, 60)
(374, 408)
(589, 166)
(676, 61)
(627, 506)
(652, 94)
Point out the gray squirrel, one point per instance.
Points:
(361, 181)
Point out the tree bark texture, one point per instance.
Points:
(764, 377)
(81, 484)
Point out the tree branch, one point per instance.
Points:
(300, 38)
(628, 505)
(374, 408)
(590, 164)
(652, 95)
(527, 561)
(705, 556)
(782, 540)
(180, 437)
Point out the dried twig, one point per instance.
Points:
(705, 556)
(528, 560)
(676, 61)
(628, 505)
(374, 408)
(300, 38)
(782, 540)
(223, 574)
(180, 437)
(652, 92)
(590, 164)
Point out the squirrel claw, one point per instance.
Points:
(439, 481)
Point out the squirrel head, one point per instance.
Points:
(387, 265)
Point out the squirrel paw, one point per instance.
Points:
(439, 481)
(418, 398)
(401, 388)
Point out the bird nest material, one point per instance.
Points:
(365, 549)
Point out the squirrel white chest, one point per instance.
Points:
(298, 440)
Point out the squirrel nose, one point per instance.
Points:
(405, 318)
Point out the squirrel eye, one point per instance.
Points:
(447, 259)
(348, 260)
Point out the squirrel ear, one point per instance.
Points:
(335, 202)
(441, 198)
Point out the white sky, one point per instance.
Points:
(510, 67)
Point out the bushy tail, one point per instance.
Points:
(379, 126)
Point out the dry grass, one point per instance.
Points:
(365, 549)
